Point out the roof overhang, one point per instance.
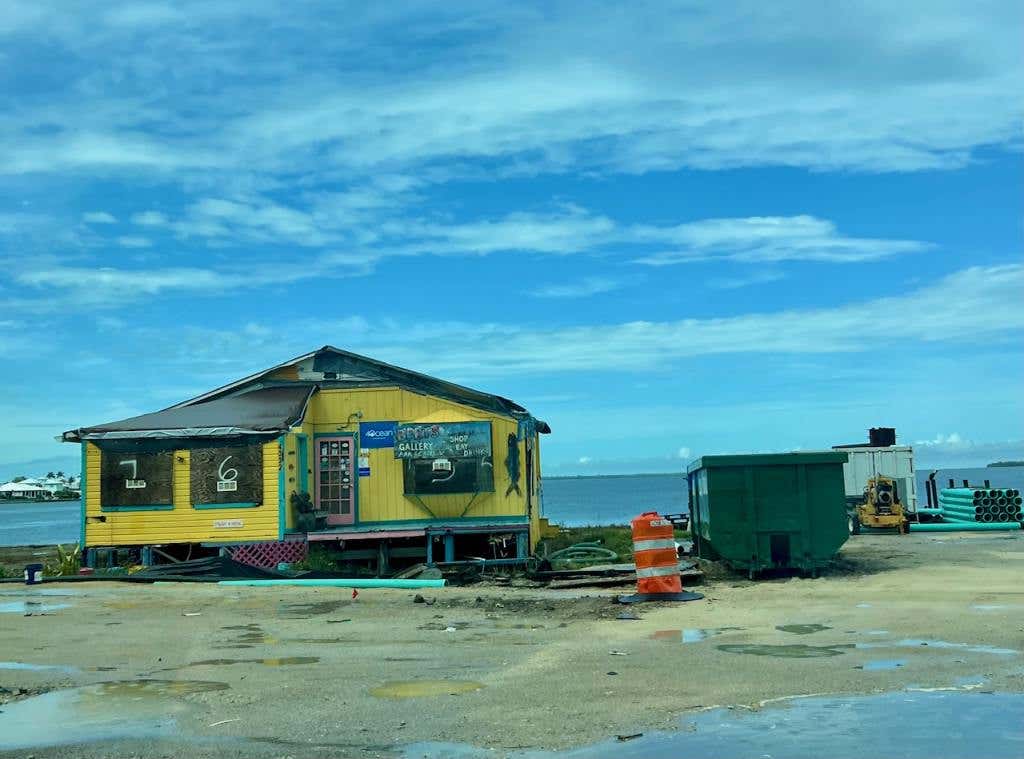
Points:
(262, 412)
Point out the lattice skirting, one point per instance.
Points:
(269, 555)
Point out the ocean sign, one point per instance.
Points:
(443, 440)
(377, 434)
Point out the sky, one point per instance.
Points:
(668, 229)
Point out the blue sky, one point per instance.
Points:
(668, 228)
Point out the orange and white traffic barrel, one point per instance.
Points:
(657, 562)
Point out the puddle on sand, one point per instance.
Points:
(29, 607)
(444, 626)
(792, 651)
(24, 666)
(396, 689)
(312, 609)
(104, 712)
(881, 664)
(946, 724)
(40, 592)
(802, 629)
(691, 635)
(942, 644)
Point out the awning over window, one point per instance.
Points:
(263, 412)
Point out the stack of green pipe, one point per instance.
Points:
(987, 506)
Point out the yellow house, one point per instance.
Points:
(379, 461)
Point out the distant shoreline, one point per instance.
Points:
(19, 501)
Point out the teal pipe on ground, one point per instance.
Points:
(930, 512)
(382, 582)
(960, 514)
(962, 526)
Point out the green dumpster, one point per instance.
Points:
(769, 511)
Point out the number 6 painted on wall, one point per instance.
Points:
(226, 475)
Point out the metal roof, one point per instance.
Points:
(260, 405)
(258, 412)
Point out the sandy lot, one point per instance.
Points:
(294, 672)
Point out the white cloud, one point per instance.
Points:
(979, 303)
(285, 90)
(364, 224)
(684, 453)
(98, 217)
(582, 288)
(149, 219)
(768, 239)
(968, 305)
(584, 460)
(952, 440)
(952, 451)
(746, 280)
(133, 241)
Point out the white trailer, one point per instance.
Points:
(895, 461)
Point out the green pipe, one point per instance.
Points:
(962, 526)
(930, 512)
(959, 520)
(963, 506)
(959, 513)
(958, 499)
(965, 511)
(1018, 501)
(958, 502)
(333, 583)
(975, 492)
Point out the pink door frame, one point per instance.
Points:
(334, 517)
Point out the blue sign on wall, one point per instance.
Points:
(377, 434)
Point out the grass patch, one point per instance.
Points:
(319, 559)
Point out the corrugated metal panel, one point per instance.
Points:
(896, 462)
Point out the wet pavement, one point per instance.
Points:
(104, 712)
(911, 725)
(424, 688)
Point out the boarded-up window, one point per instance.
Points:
(136, 479)
(231, 474)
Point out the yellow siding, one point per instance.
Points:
(381, 495)
(182, 524)
(96, 533)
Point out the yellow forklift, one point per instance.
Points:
(880, 509)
